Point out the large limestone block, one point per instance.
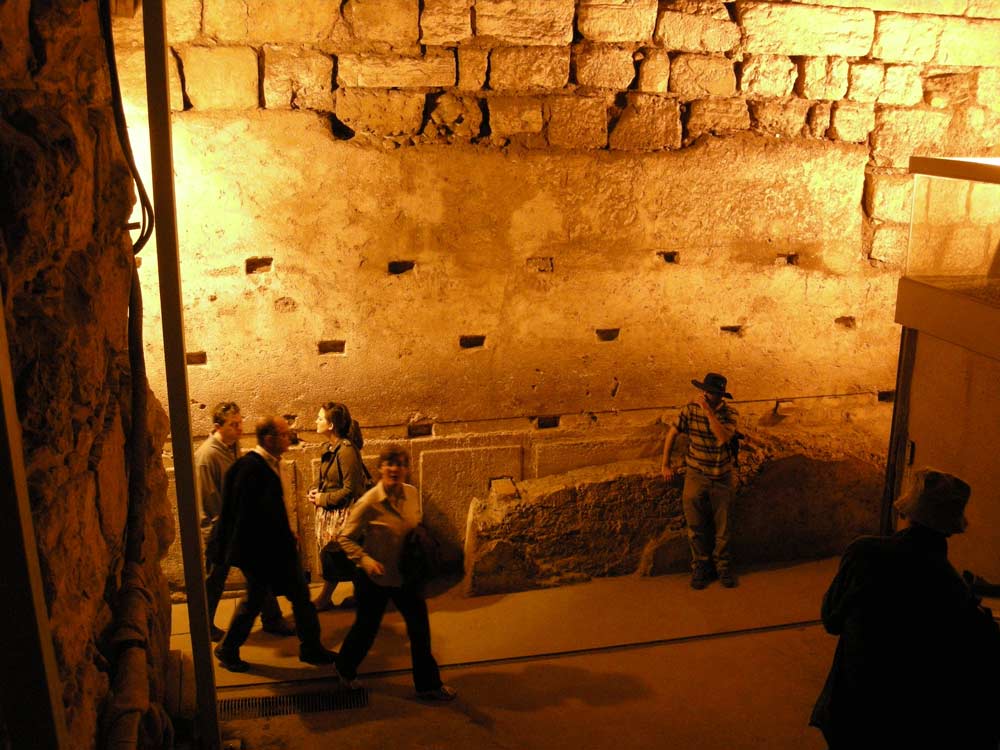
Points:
(983, 9)
(521, 68)
(183, 24)
(785, 117)
(437, 67)
(561, 456)
(889, 245)
(969, 42)
(696, 32)
(902, 86)
(297, 78)
(526, 22)
(865, 81)
(717, 116)
(823, 78)
(270, 21)
(654, 71)
(988, 88)
(698, 76)
(132, 79)
(472, 66)
(510, 115)
(392, 21)
(907, 39)
(852, 121)
(381, 112)
(648, 123)
(445, 22)
(616, 20)
(578, 122)
(603, 66)
(941, 7)
(768, 76)
(221, 77)
(888, 197)
(789, 29)
(900, 133)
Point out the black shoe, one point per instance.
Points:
(728, 579)
(216, 633)
(442, 694)
(316, 654)
(278, 627)
(230, 661)
(700, 579)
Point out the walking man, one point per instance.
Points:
(254, 535)
(710, 425)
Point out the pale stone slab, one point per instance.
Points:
(781, 117)
(908, 39)
(983, 9)
(988, 88)
(768, 76)
(969, 42)
(132, 79)
(888, 197)
(941, 7)
(902, 86)
(865, 81)
(889, 244)
(696, 32)
(370, 70)
(852, 121)
(473, 63)
(445, 22)
(392, 21)
(654, 71)
(510, 115)
(823, 78)
(818, 119)
(520, 68)
(270, 21)
(578, 122)
(381, 112)
(717, 116)
(900, 133)
(183, 20)
(603, 66)
(526, 22)
(297, 78)
(648, 123)
(616, 20)
(561, 456)
(698, 76)
(221, 77)
(789, 29)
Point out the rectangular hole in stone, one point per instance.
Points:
(471, 342)
(195, 358)
(547, 422)
(541, 264)
(887, 397)
(791, 259)
(424, 429)
(847, 321)
(670, 256)
(607, 334)
(332, 347)
(737, 330)
(259, 265)
(397, 267)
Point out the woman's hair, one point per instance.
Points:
(394, 454)
(338, 417)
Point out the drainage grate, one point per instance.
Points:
(296, 703)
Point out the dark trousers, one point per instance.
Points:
(306, 619)
(706, 504)
(215, 584)
(372, 600)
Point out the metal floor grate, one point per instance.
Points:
(294, 703)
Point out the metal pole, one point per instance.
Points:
(897, 460)
(168, 263)
(31, 690)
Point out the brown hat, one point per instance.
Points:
(936, 500)
(714, 383)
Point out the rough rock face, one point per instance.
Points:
(65, 268)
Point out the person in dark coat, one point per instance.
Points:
(917, 661)
(255, 536)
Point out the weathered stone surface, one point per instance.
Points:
(521, 68)
(616, 20)
(472, 66)
(818, 119)
(297, 78)
(444, 22)
(889, 244)
(381, 112)
(789, 29)
(455, 117)
(578, 122)
(648, 123)
(132, 79)
(393, 21)
(823, 78)
(899, 133)
(183, 24)
(526, 22)
(603, 66)
(902, 86)
(368, 70)
(852, 121)
(717, 116)
(782, 117)
(888, 197)
(270, 21)
(768, 76)
(668, 553)
(941, 7)
(974, 130)
(988, 88)
(696, 32)
(515, 114)
(865, 81)
(15, 54)
(983, 9)
(969, 42)
(947, 90)
(906, 39)
(220, 77)
(698, 76)
(654, 71)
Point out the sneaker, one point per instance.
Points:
(700, 579)
(216, 633)
(441, 694)
(278, 627)
(316, 654)
(728, 579)
(229, 660)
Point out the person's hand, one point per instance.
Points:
(703, 403)
(372, 567)
(668, 473)
(313, 495)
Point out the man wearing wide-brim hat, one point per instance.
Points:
(918, 658)
(710, 425)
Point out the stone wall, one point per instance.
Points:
(65, 270)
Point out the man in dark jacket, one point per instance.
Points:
(917, 659)
(254, 536)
